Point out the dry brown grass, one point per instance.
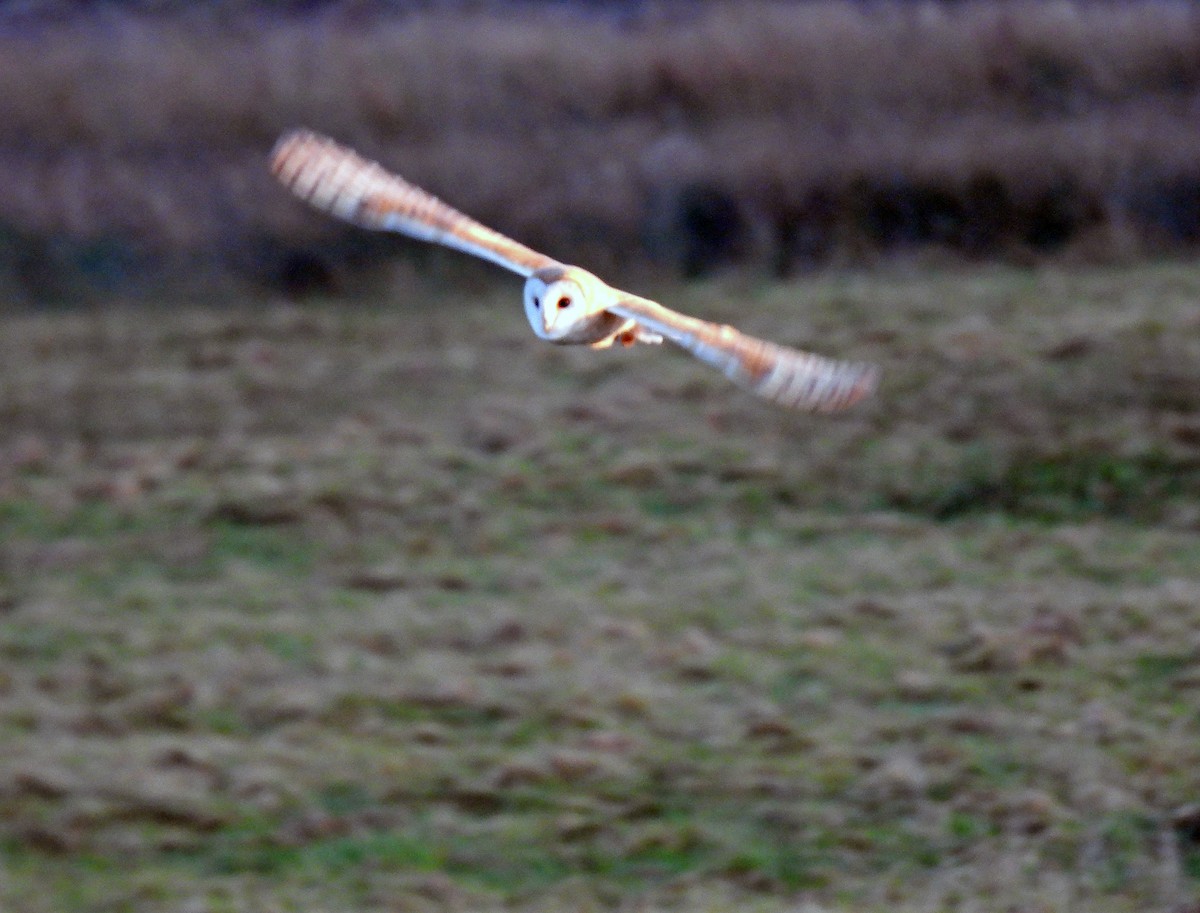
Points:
(776, 134)
(396, 609)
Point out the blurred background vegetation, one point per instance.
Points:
(682, 138)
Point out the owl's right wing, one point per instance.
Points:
(339, 181)
(784, 375)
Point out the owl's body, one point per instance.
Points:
(554, 295)
(564, 304)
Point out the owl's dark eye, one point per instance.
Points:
(564, 302)
(537, 303)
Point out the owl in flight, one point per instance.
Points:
(565, 304)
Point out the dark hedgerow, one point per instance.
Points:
(776, 136)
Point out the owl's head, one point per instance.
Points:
(557, 299)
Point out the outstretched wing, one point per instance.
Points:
(786, 376)
(339, 181)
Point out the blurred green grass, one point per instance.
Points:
(391, 607)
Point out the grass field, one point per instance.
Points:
(395, 608)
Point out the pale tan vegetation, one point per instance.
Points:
(780, 135)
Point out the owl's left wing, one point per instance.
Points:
(784, 375)
(339, 181)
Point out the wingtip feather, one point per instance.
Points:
(284, 148)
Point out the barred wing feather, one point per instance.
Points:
(339, 181)
(784, 375)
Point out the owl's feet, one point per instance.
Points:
(636, 335)
(628, 338)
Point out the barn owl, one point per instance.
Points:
(564, 304)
